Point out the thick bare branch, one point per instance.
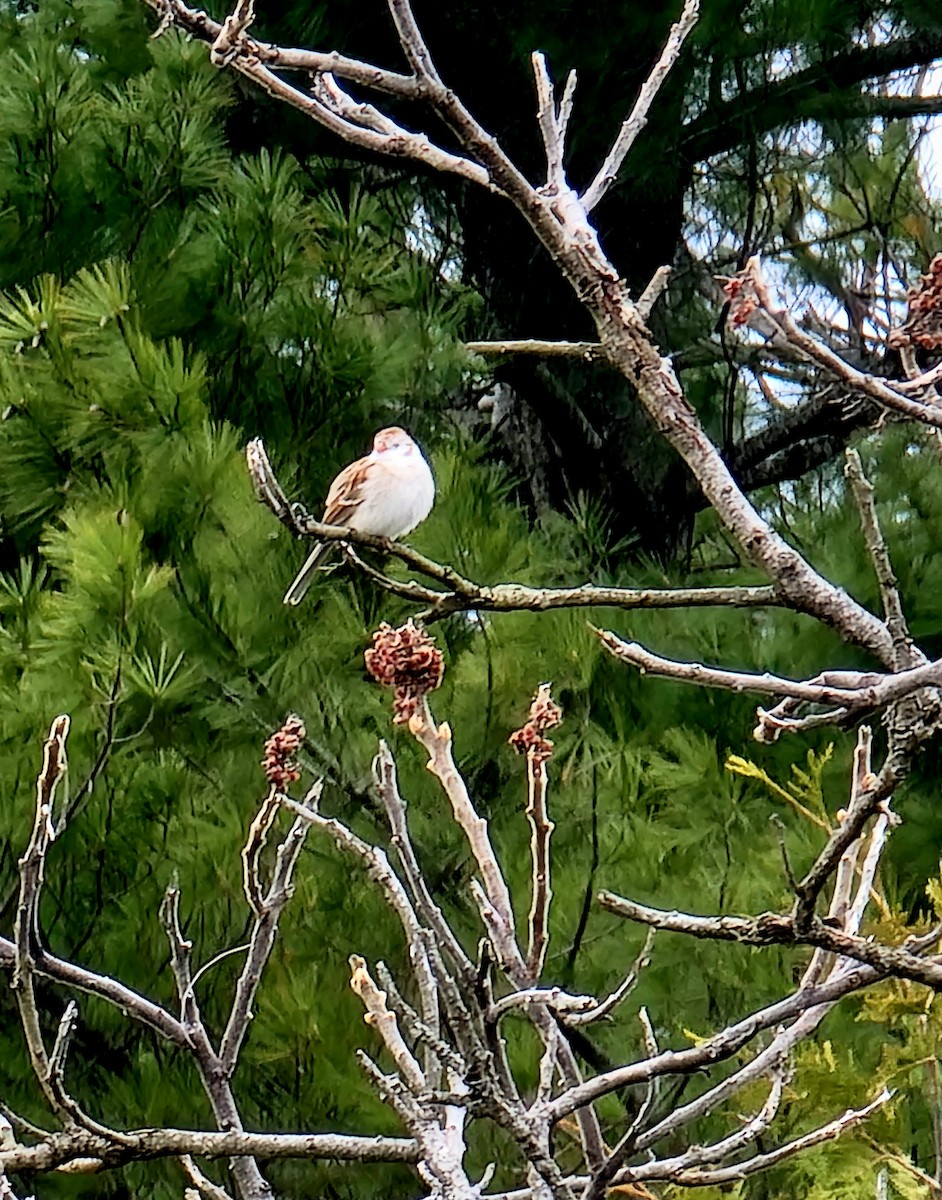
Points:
(718, 1048)
(142, 1145)
(860, 691)
(380, 1018)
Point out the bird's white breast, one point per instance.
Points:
(400, 495)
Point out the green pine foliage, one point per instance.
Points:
(164, 300)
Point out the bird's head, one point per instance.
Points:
(394, 442)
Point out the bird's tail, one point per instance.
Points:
(305, 577)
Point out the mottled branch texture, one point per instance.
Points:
(434, 1041)
(439, 1055)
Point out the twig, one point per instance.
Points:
(537, 348)
(553, 123)
(264, 932)
(202, 1183)
(906, 654)
(762, 1162)
(638, 117)
(541, 830)
(252, 851)
(624, 989)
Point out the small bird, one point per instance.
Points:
(386, 493)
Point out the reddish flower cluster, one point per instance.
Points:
(281, 769)
(742, 298)
(407, 660)
(923, 326)
(545, 714)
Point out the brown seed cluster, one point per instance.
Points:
(279, 765)
(407, 660)
(742, 298)
(545, 714)
(923, 325)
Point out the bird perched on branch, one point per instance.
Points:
(386, 493)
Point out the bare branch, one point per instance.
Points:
(144, 1144)
(437, 742)
(653, 292)
(252, 851)
(907, 654)
(202, 1183)
(384, 773)
(776, 929)
(115, 993)
(588, 351)
(246, 57)
(464, 595)
(550, 997)
(251, 1183)
(868, 792)
(856, 691)
(718, 1048)
(762, 1162)
(541, 830)
(891, 396)
(264, 932)
(26, 931)
(638, 117)
(553, 123)
(379, 1017)
(624, 989)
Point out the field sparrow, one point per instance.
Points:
(387, 493)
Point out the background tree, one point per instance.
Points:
(208, 293)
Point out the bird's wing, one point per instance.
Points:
(346, 493)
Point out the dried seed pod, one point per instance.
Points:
(279, 765)
(545, 714)
(923, 325)
(407, 660)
